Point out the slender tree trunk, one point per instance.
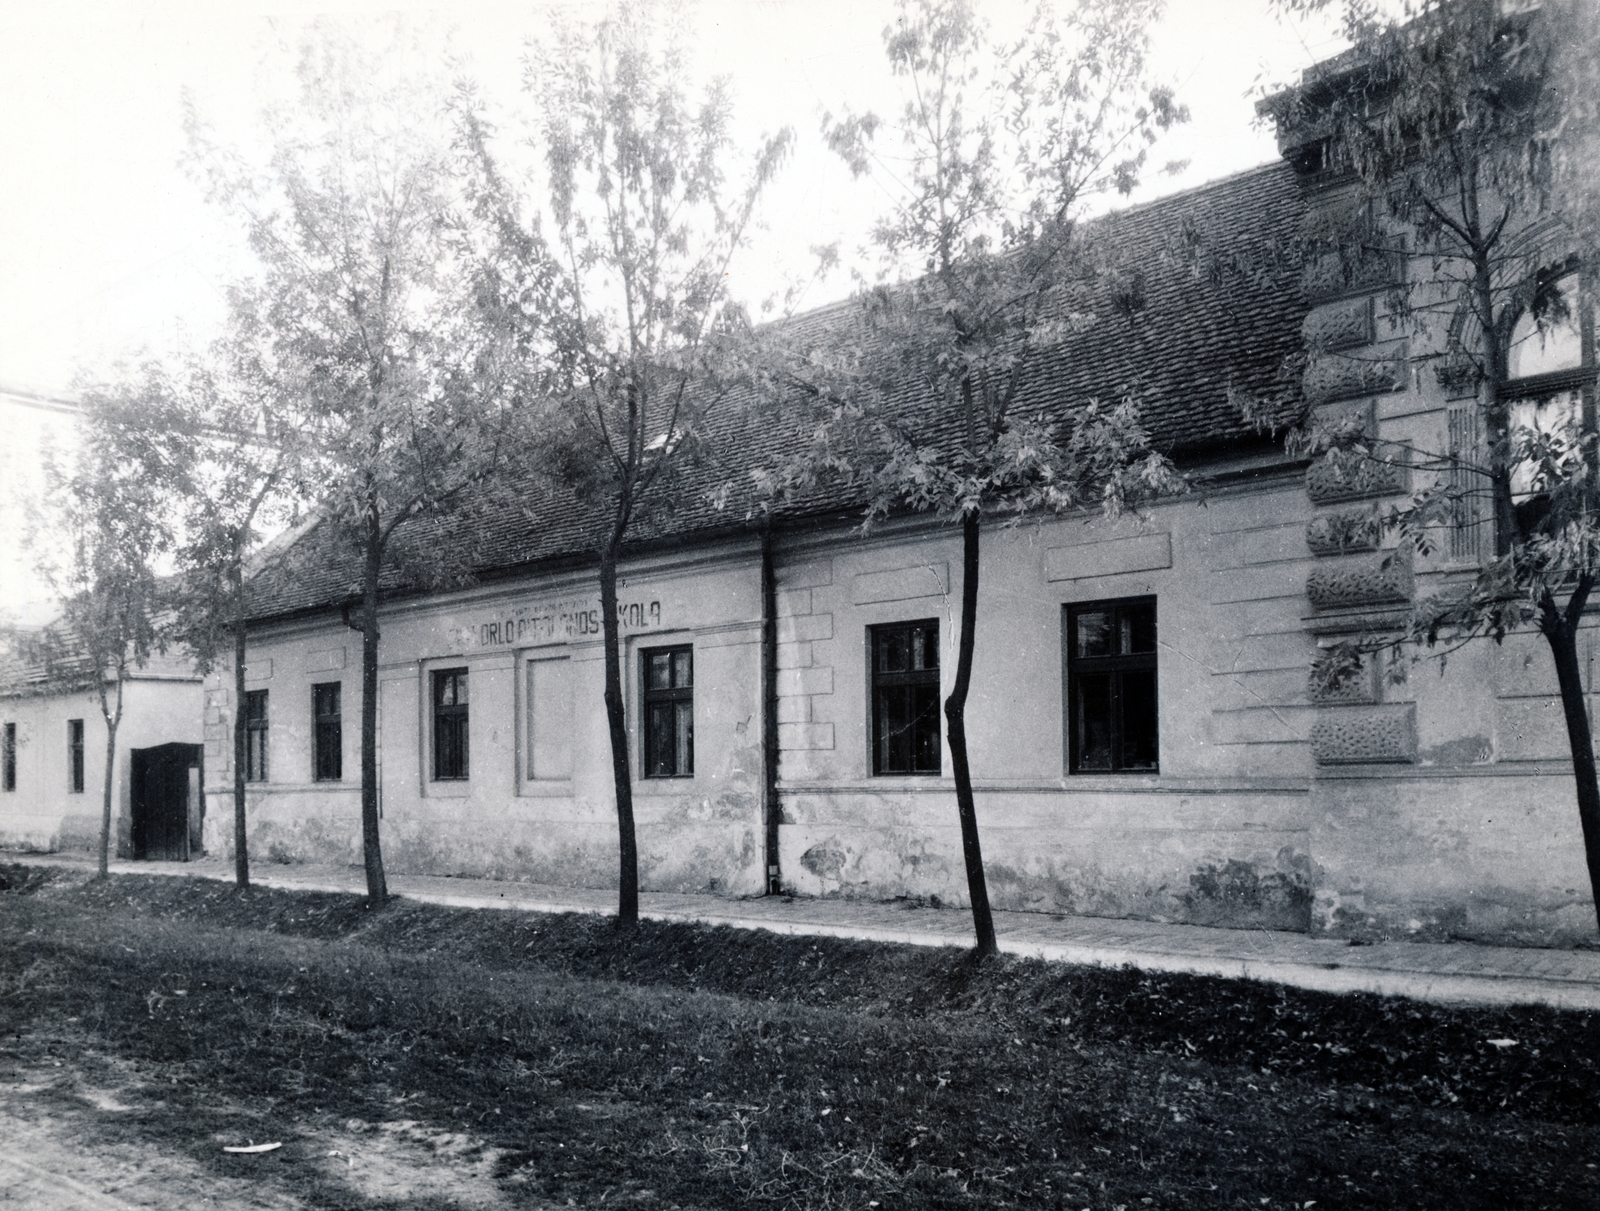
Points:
(241, 854)
(621, 766)
(113, 719)
(372, 854)
(955, 709)
(1561, 632)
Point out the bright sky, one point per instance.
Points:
(109, 248)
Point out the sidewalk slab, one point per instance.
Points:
(1452, 973)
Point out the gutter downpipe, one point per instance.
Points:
(770, 753)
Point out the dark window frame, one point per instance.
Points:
(75, 756)
(452, 725)
(911, 694)
(667, 752)
(1115, 667)
(255, 736)
(327, 732)
(8, 757)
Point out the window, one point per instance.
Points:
(1111, 686)
(449, 725)
(1550, 366)
(905, 698)
(75, 756)
(548, 707)
(327, 734)
(8, 758)
(255, 735)
(668, 712)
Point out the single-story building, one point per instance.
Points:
(53, 757)
(1145, 739)
(1144, 733)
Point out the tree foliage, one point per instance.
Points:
(984, 269)
(222, 456)
(360, 323)
(115, 613)
(612, 278)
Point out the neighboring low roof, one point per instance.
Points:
(1204, 309)
(43, 660)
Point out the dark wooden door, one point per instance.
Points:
(161, 807)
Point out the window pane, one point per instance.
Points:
(1556, 344)
(893, 651)
(659, 739)
(1092, 633)
(1139, 627)
(450, 748)
(658, 671)
(907, 725)
(925, 729)
(1139, 720)
(889, 727)
(1559, 413)
(330, 760)
(683, 669)
(1092, 719)
(684, 720)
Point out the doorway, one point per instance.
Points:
(168, 809)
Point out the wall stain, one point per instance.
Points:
(1237, 895)
(1469, 750)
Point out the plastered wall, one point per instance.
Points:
(43, 813)
(1443, 808)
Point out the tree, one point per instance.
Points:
(1470, 133)
(621, 310)
(221, 457)
(361, 321)
(112, 611)
(928, 409)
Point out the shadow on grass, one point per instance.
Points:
(675, 1063)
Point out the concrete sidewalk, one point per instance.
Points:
(1461, 973)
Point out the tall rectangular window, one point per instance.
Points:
(75, 756)
(255, 735)
(548, 708)
(8, 758)
(449, 725)
(327, 734)
(1111, 686)
(668, 712)
(905, 698)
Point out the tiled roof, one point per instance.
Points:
(1206, 308)
(43, 660)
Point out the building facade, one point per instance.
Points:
(1146, 739)
(53, 761)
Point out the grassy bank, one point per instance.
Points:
(718, 1068)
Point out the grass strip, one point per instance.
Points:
(710, 1067)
